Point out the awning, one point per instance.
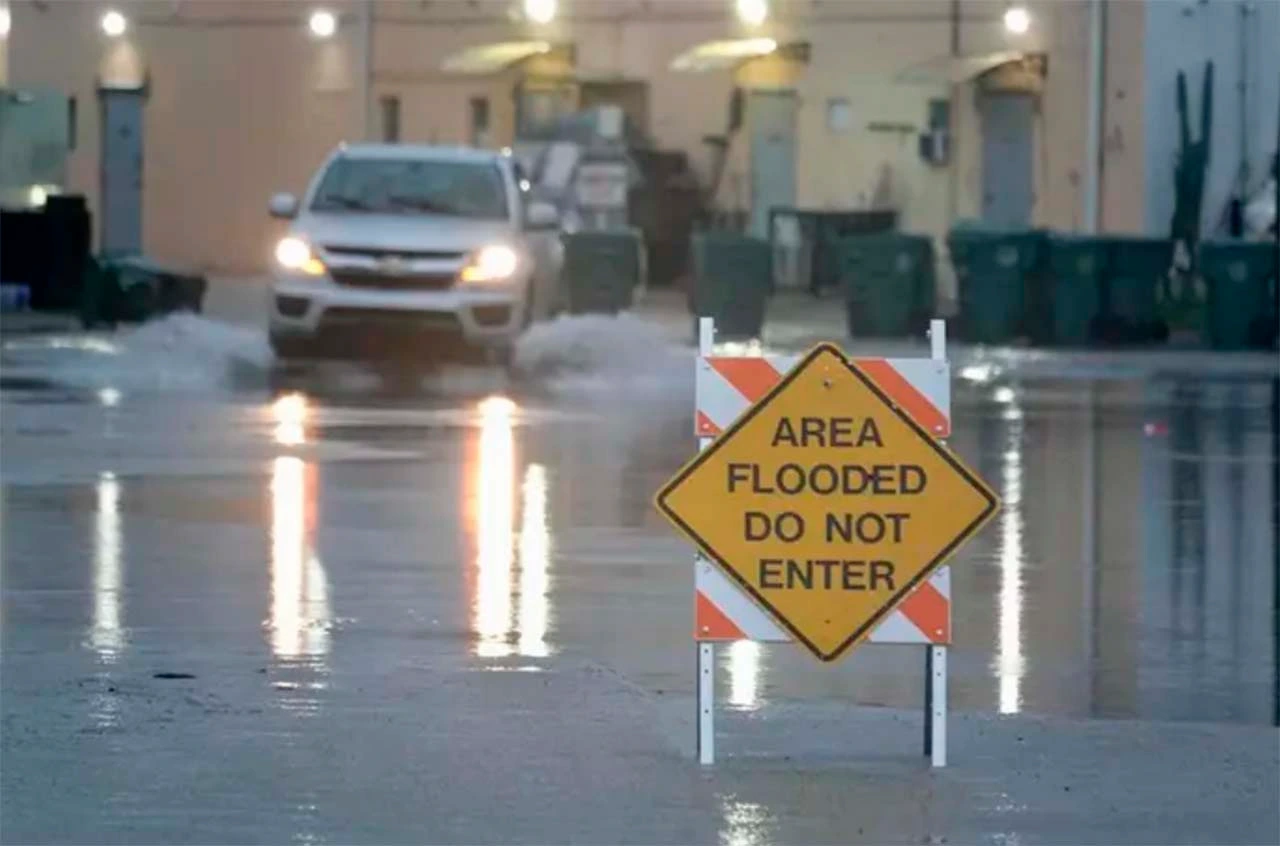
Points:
(722, 55)
(491, 58)
(957, 69)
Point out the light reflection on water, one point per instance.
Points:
(495, 511)
(106, 629)
(290, 413)
(535, 555)
(744, 674)
(300, 608)
(745, 823)
(1010, 665)
(106, 634)
(502, 626)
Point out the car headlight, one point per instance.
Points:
(295, 254)
(494, 263)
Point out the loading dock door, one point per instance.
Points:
(1008, 194)
(121, 164)
(771, 121)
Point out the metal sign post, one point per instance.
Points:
(706, 649)
(935, 655)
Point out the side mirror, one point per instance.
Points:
(283, 206)
(542, 216)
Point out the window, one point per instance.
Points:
(839, 114)
(390, 106)
(939, 114)
(539, 108)
(73, 122)
(471, 189)
(479, 122)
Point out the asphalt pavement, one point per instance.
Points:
(248, 605)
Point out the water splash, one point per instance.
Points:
(180, 352)
(588, 357)
(606, 356)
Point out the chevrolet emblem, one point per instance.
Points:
(392, 265)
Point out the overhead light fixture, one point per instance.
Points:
(322, 23)
(1017, 20)
(721, 54)
(752, 12)
(6, 20)
(540, 11)
(114, 24)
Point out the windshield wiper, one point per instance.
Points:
(421, 204)
(342, 202)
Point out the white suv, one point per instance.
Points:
(412, 251)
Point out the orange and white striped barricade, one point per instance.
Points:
(726, 386)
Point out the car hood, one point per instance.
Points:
(401, 231)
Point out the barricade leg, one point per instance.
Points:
(706, 704)
(928, 701)
(706, 651)
(937, 709)
(935, 664)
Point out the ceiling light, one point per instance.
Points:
(752, 12)
(540, 11)
(1017, 19)
(322, 23)
(114, 24)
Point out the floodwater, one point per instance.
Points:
(171, 504)
(1129, 574)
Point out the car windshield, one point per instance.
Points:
(408, 186)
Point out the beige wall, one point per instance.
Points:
(243, 101)
(235, 110)
(1063, 119)
(1124, 136)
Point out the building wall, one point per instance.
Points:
(1123, 127)
(244, 102)
(241, 102)
(930, 197)
(1240, 38)
(1061, 126)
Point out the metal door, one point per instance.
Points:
(120, 208)
(771, 121)
(1007, 138)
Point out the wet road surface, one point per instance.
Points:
(449, 613)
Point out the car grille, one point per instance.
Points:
(364, 319)
(394, 282)
(374, 253)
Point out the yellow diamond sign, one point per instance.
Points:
(827, 503)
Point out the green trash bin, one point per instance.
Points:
(99, 292)
(889, 284)
(131, 289)
(994, 271)
(1240, 277)
(1076, 269)
(601, 270)
(1137, 269)
(733, 275)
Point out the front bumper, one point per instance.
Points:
(319, 309)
